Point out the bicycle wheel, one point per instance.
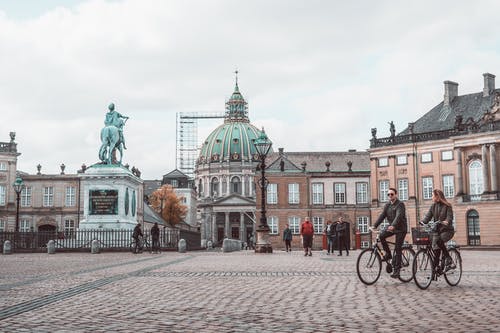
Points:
(406, 271)
(423, 268)
(368, 266)
(454, 275)
(132, 246)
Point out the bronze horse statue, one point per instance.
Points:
(111, 142)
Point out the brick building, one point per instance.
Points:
(321, 185)
(452, 147)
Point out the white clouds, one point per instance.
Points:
(327, 71)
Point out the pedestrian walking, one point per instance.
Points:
(137, 236)
(287, 238)
(307, 233)
(330, 234)
(342, 229)
(155, 238)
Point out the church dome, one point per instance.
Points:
(233, 140)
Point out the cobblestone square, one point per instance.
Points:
(236, 292)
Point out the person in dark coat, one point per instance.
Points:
(155, 238)
(136, 235)
(330, 234)
(441, 211)
(342, 229)
(395, 213)
(287, 238)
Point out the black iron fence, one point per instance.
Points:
(81, 240)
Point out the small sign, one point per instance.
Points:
(103, 202)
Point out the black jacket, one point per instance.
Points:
(440, 212)
(341, 228)
(155, 232)
(395, 214)
(331, 232)
(137, 231)
(287, 234)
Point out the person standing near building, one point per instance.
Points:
(441, 211)
(395, 213)
(155, 238)
(330, 234)
(137, 236)
(307, 232)
(287, 238)
(342, 229)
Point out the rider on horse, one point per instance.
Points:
(114, 118)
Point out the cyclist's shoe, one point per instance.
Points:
(388, 268)
(449, 264)
(395, 274)
(438, 270)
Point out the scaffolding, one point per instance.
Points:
(187, 148)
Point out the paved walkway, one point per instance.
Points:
(236, 292)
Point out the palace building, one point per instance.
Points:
(453, 147)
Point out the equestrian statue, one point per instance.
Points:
(112, 136)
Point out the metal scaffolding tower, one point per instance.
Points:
(186, 149)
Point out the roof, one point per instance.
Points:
(317, 161)
(150, 186)
(442, 117)
(150, 216)
(176, 173)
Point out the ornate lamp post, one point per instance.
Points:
(18, 187)
(263, 145)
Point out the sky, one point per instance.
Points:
(317, 75)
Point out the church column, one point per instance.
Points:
(484, 157)
(250, 186)
(242, 227)
(243, 185)
(460, 183)
(214, 228)
(493, 168)
(226, 226)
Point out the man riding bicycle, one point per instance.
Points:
(395, 213)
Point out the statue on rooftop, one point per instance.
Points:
(392, 128)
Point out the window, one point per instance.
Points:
(476, 180)
(294, 224)
(317, 193)
(48, 196)
(448, 186)
(70, 196)
(272, 193)
(426, 157)
(402, 159)
(24, 225)
(26, 196)
(318, 224)
(383, 225)
(403, 189)
(365, 244)
(383, 161)
(2, 194)
(427, 187)
(272, 222)
(2, 225)
(3, 166)
(473, 232)
(363, 224)
(236, 185)
(383, 188)
(362, 193)
(447, 155)
(214, 187)
(339, 189)
(69, 228)
(174, 183)
(293, 193)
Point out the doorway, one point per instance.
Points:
(473, 234)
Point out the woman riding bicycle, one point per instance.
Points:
(441, 211)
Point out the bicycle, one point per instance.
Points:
(369, 263)
(142, 242)
(424, 271)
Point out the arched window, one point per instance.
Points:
(200, 187)
(476, 186)
(214, 187)
(236, 185)
(473, 234)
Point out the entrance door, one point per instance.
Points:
(473, 234)
(45, 233)
(235, 233)
(220, 235)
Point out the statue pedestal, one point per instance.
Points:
(112, 198)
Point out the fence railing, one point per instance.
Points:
(81, 240)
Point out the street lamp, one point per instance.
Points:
(263, 146)
(18, 187)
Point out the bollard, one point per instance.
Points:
(7, 247)
(209, 245)
(51, 247)
(182, 246)
(94, 248)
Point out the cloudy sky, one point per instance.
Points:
(317, 74)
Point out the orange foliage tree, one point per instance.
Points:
(166, 202)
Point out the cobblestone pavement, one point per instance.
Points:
(236, 292)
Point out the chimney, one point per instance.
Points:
(450, 92)
(489, 84)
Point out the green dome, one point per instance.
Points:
(233, 140)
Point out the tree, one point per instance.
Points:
(166, 202)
